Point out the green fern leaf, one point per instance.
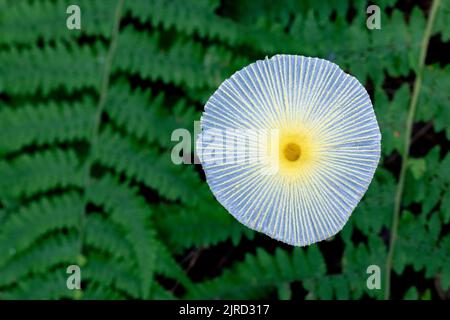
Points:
(142, 110)
(258, 274)
(24, 22)
(42, 70)
(51, 285)
(157, 172)
(40, 258)
(122, 202)
(45, 124)
(34, 221)
(29, 174)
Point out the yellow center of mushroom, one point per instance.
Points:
(292, 151)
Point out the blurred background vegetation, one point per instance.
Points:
(85, 172)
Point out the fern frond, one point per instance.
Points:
(39, 218)
(146, 166)
(392, 118)
(159, 293)
(103, 235)
(373, 213)
(45, 124)
(418, 245)
(112, 273)
(48, 286)
(364, 48)
(123, 203)
(435, 98)
(167, 266)
(43, 70)
(216, 224)
(185, 62)
(25, 22)
(40, 258)
(260, 273)
(135, 110)
(355, 261)
(29, 174)
(193, 18)
(98, 291)
(432, 186)
(119, 279)
(442, 19)
(106, 236)
(185, 16)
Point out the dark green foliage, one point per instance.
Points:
(45, 124)
(434, 99)
(144, 108)
(86, 118)
(42, 70)
(259, 273)
(28, 21)
(42, 171)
